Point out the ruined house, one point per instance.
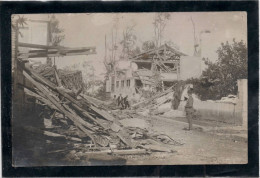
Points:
(152, 71)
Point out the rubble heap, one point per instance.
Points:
(88, 123)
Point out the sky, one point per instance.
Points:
(89, 30)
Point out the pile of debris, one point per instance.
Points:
(87, 124)
(169, 103)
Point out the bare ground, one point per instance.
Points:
(200, 147)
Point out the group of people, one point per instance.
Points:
(122, 102)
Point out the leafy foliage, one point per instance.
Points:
(56, 32)
(220, 78)
(18, 22)
(148, 45)
(128, 43)
(101, 92)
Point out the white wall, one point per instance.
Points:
(126, 90)
(241, 108)
(223, 111)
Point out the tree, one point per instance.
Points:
(128, 43)
(148, 45)
(56, 32)
(101, 91)
(18, 22)
(220, 78)
(159, 23)
(110, 59)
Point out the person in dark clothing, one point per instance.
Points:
(189, 109)
(126, 102)
(120, 100)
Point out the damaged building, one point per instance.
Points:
(152, 71)
(52, 119)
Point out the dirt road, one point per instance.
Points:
(199, 147)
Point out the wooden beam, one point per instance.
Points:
(52, 134)
(54, 51)
(47, 47)
(101, 112)
(40, 98)
(29, 45)
(57, 53)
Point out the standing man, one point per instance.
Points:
(126, 102)
(120, 100)
(189, 109)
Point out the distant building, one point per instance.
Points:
(152, 71)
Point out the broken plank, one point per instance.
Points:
(120, 134)
(86, 114)
(40, 98)
(88, 125)
(95, 108)
(103, 113)
(52, 134)
(59, 106)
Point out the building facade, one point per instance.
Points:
(151, 71)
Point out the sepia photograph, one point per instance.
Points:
(164, 88)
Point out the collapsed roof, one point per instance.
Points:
(164, 52)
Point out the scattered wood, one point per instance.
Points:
(77, 105)
(59, 106)
(91, 119)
